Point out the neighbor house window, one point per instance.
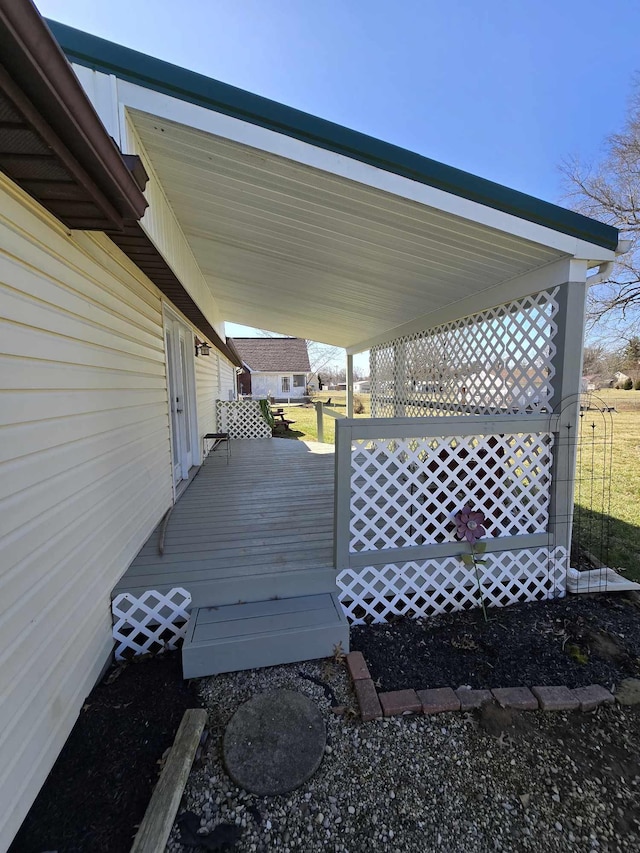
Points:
(285, 385)
(299, 380)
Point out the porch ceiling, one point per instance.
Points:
(305, 252)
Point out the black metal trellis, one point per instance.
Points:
(591, 445)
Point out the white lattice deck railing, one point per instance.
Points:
(242, 419)
(401, 481)
(498, 360)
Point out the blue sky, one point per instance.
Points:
(503, 89)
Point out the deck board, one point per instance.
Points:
(259, 525)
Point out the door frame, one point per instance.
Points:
(173, 327)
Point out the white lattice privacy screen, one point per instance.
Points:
(497, 361)
(400, 484)
(242, 419)
(150, 622)
(405, 491)
(423, 588)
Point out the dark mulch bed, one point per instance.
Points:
(101, 783)
(574, 641)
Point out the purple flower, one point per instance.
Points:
(470, 524)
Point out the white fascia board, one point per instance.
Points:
(551, 275)
(173, 109)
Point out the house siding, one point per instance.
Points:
(215, 378)
(227, 380)
(207, 392)
(270, 384)
(85, 472)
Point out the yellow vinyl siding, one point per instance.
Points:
(85, 472)
(207, 391)
(227, 379)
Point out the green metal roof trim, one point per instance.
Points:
(169, 79)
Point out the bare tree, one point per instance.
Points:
(610, 192)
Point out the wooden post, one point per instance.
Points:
(373, 378)
(566, 402)
(342, 494)
(349, 378)
(319, 420)
(154, 830)
(399, 379)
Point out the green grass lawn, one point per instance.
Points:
(623, 507)
(305, 426)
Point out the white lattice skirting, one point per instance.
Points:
(241, 419)
(150, 623)
(424, 588)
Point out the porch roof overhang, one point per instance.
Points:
(313, 230)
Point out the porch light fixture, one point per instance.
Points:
(202, 348)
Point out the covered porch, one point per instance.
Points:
(469, 297)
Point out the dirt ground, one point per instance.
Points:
(100, 786)
(573, 641)
(98, 791)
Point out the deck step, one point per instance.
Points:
(263, 633)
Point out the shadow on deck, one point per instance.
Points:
(258, 528)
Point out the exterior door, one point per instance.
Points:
(179, 342)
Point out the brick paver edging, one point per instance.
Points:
(374, 705)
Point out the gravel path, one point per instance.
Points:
(451, 783)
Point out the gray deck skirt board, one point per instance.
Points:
(259, 527)
(250, 587)
(264, 633)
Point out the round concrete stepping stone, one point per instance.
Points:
(274, 742)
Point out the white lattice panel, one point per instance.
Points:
(424, 588)
(242, 419)
(405, 492)
(499, 360)
(150, 622)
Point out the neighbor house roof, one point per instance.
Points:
(273, 355)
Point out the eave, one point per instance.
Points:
(52, 142)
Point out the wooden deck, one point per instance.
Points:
(257, 528)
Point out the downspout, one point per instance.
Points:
(605, 269)
(603, 273)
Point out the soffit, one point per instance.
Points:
(305, 252)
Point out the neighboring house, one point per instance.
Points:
(362, 387)
(273, 367)
(618, 379)
(142, 204)
(590, 382)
